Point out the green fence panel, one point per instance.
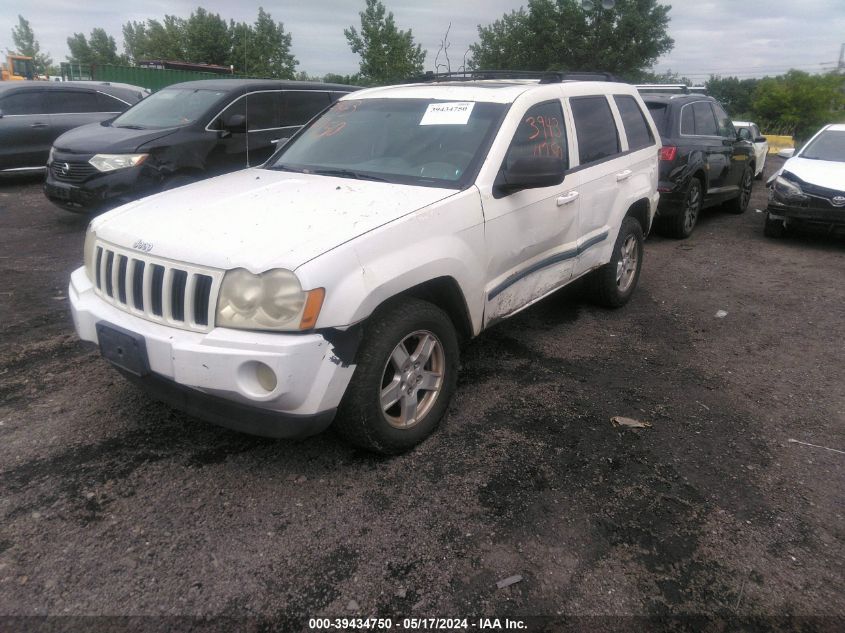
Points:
(150, 78)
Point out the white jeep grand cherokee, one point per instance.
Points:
(334, 283)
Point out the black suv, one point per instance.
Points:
(703, 161)
(183, 133)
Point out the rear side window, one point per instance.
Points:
(633, 120)
(105, 103)
(28, 102)
(687, 121)
(300, 107)
(705, 122)
(71, 101)
(595, 128)
(541, 134)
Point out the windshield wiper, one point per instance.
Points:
(348, 173)
(286, 168)
(132, 127)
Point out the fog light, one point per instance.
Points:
(265, 376)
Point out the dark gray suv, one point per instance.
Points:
(34, 113)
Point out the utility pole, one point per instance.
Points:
(840, 68)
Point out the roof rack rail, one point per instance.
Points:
(673, 88)
(545, 76)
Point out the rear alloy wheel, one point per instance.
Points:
(682, 224)
(740, 203)
(405, 374)
(614, 283)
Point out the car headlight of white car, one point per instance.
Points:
(111, 162)
(272, 300)
(786, 191)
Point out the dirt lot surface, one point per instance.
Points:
(112, 504)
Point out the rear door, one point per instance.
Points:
(70, 108)
(25, 131)
(717, 155)
(739, 153)
(604, 177)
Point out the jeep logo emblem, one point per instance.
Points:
(141, 245)
(838, 201)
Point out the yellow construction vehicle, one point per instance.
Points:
(17, 68)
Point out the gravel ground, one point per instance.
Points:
(113, 504)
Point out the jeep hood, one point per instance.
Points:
(260, 219)
(824, 173)
(103, 138)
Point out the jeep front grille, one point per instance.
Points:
(168, 292)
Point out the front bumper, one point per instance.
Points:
(101, 191)
(214, 377)
(828, 214)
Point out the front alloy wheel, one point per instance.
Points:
(412, 379)
(405, 372)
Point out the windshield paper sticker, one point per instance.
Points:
(456, 113)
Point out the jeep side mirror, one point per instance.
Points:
(531, 173)
(760, 139)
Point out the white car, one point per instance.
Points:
(334, 283)
(810, 187)
(751, 133)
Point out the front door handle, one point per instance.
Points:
(39, 125)
(566, 198)
(623, 175)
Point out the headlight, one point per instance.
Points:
(110, 162)
(273, 300)
(90, 250)
(786, 191)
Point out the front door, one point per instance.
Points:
(531, 234)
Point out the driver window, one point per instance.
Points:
(541, 133)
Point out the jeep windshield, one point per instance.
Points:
(171, 107)
(829, 145)
(406, 141)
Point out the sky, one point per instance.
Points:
(751, 38)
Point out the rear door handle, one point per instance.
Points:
(566, 198)
(39, 125)
(623, 175)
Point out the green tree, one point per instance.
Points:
(388, 55)
(100, 48)
(797, 103)
(26, 44)
(733, 93)
(270, 54)
(562, 35)
(208, 40)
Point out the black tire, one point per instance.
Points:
(740, 203)
(361, 419)
(613, 284)
(680, 226)
(773, 228)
